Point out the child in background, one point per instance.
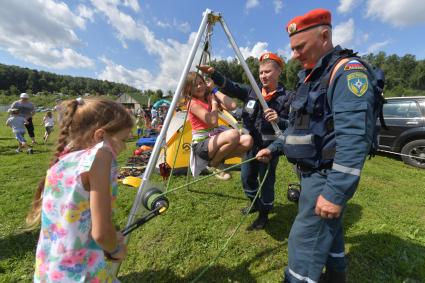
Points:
(17, 123)
(140, 124)
(49, 122)
(210, 142)
(76, 199)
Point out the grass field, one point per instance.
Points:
(384, 222)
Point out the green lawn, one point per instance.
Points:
(385, 225)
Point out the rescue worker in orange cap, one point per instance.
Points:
(332, 126)
(257, 122)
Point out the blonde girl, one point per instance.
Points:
(75, 201)
(49, 122)
(209, 141)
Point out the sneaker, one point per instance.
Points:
(223, 176)
(219, 174)
(259, 223)
(30, 151)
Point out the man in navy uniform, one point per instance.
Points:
(330, 133)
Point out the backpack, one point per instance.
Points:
(378, 83)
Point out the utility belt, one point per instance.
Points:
(306, 169)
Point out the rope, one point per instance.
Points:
(206, 177)
(207, 39)
(401, 154)
(234, 232)
(178, 147)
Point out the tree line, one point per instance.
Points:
(14, 80)
(405, 76)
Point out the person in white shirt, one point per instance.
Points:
(49, 122)
(18, 123)
(26, 110)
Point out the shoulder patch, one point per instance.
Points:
(357, 83)
(354, 65)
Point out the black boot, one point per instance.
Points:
(260, 222)
(336, 277)
(332, 276)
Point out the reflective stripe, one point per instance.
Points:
(300, 277)
(337, 254)
(347, 170)
(266, 203)
(250, 191)
(281, 137)
(268, 137)
(308, 139)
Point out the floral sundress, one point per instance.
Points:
(66, 251)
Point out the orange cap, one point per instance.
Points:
(271, 56)
(314, 18)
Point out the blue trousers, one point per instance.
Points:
(313, 242)
(249, 174)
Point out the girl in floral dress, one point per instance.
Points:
(75, 200)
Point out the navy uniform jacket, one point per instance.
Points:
(351, 100)
(252, 113)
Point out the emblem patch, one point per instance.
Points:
(250, 106)
(357, 83)
(354, 65)
(292, 28)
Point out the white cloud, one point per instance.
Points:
(46, 55)
(346, 5)
(170, 54)
(343, 33)
(140, 78)
(251, 4)
(256, 51)
(396, 12)
(85, 12)
(45, 37)
(376, 47)
(133, 4)
(286, 53)
(162, 24)
(181, 26)
(278, 5)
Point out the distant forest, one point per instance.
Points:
(14, 80)
(405, 76)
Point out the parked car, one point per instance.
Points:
(405, 119)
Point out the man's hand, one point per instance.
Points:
(327, 209)
(206, 69)
(264, 155)
(271, 115)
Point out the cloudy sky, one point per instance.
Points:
(145, 43)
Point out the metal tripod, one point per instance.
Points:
(208, 20)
